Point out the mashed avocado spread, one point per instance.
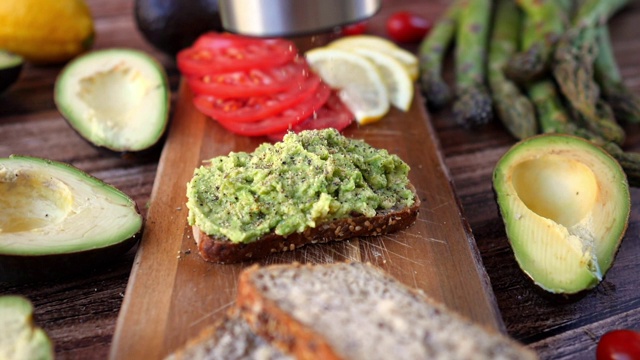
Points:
(306, 179)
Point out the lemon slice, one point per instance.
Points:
(394, 75)
(381, 45)
(360, 84)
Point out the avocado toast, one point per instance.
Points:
(315, 186)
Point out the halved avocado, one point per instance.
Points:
(20, 337)
(565, 204)
(10, 68)
(56, 220)
(115, 98)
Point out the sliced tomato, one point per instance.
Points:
(255, 108)
(333, 114)
(253, 82)
(222, 52)
(286, 119)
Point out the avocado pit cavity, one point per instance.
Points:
(29, 201)
(112, 97)
(557, 188)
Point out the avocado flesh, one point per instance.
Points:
(116, 99)
(10, 68)
(20, 338)
(565, 204)
(50, 208)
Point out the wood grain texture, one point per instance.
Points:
(80, 313)
(173, 293)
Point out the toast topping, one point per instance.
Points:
(308, 178)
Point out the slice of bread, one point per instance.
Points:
(357, 311)
(221, 250)
(230, 339)
(314, 186)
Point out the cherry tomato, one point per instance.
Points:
(354, 29)
(216, 53)
(252, 82)
(255, 108)
(285, 120)
(406, 27)
(334, 114)
(619, 344)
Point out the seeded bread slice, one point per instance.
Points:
(230, 339)
(356, 311)
(222, 251)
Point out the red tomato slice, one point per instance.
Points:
(333, 114)
(253, 82)
(285, 120)
(251, 109)
(215, 53)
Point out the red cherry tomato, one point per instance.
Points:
(284, 120)
(216, 53)
(255, 108)
(252, 82)
(406, 27)
(354, 29)
(619, 344)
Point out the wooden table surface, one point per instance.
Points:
(80, 313)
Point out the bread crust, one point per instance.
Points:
(268, 320)
(223, 251)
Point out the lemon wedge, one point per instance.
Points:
(395, 77)
(381, 45)
(360, 83)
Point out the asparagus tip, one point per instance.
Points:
(527, 65)
(473, 107)
(436, 91)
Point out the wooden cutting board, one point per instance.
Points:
(172, 293)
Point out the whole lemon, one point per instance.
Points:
(45, 31)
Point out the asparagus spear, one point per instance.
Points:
(624, 103)
(593, 12)
(432, 51)
(573, 69)
(552, 115)
(546, 21)
(473, 102)
(514, 109)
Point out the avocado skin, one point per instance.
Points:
(9, 74)
(16, 269)
(172, 25)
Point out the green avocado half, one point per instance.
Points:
(115, 98)
(20, 337)
(565, 204)
(56, 220)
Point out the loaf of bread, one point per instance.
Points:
(229, 339)
(313, 187)
(357, 311)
